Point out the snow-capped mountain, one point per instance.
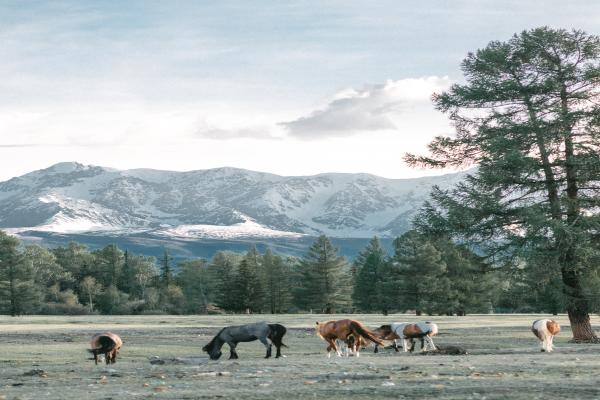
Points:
(215, 203)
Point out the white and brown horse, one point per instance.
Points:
(107, 344)
(407, 332)
(545, 330)
(352, 333)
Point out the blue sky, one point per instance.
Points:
(290, 87)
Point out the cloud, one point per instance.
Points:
(372, 108)
(211, 131)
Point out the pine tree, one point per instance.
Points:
(276, 282)
(325, 284)
(421, 275)
(369, 277)
(222, 271)
(108, 265)
(166, 273)
(472, 283)
(528, 117)
(194, 280)
(127, 281)
(18, 292)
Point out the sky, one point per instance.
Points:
(287, 87)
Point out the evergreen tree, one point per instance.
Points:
(127, 282)
(369, 277)
(222, 272)
(108, 265)
(528, 117)
(247, 290)
(421, 275)
(166, 273)
(194, 280)
(276, 282)
(472, 284)
(325, 283)
(18, 292)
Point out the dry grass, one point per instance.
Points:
(504, 361)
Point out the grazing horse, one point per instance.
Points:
(107, 344)
(267, 334)
(407, 332)
(345, 330)
(385, 332)
(545, 330)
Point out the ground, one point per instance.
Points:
(45, 358)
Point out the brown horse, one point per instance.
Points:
(344, 329)
(107, 344)
(384, 333)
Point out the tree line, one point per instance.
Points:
(421, 276)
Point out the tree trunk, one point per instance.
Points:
(578, 309)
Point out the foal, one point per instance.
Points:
(545, 330)
(107, 344)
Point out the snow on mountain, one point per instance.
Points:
(216, 203)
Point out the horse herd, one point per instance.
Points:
(345, 337)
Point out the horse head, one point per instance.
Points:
(213, 348)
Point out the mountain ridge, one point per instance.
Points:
(218, 202)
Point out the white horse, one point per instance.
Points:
(545, 330)
(407, 332)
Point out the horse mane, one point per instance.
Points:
(211, 344)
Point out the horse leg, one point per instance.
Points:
(395, 345)
(107, 358)
(232, 353)
(431, 344)
(412, 345)
(331, 346)
(376, 348)
(405, 344)
(267, 345)
(96, 358)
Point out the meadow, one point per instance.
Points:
(43, 357)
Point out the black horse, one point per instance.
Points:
(268, 334)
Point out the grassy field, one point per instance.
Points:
(45, 358)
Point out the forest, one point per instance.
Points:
(422, 275)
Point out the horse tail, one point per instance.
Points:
(358, 329)
(106, 345)
(276, 332)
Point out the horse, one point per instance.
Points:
(107, 344)
(385, 332)
(344, 329)
(545, 330)
(267, 334)
(407, 332)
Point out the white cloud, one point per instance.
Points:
(373, 108)
(207, 130)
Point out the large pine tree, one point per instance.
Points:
(528, 116)
(325, 278)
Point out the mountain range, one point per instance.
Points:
(217, 204)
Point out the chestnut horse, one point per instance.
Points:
(107, 344)
(344, 330)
